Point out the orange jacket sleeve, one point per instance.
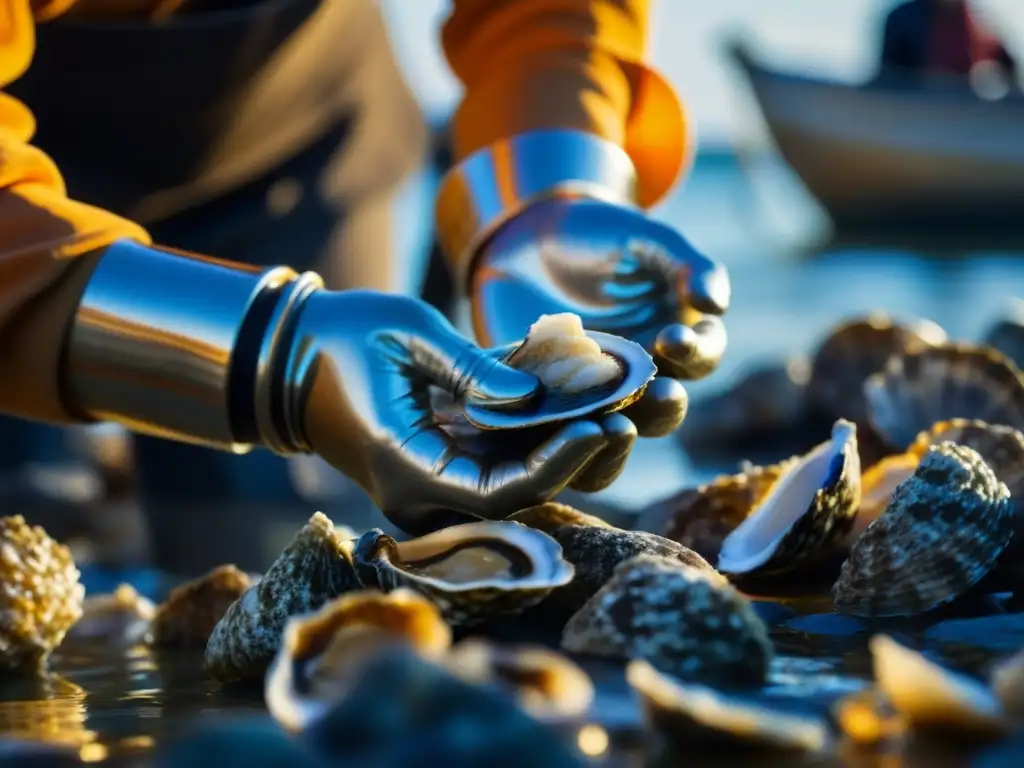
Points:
(577, 64)
(48, 243)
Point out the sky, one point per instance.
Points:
(837, 38)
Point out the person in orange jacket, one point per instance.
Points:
(274, 133)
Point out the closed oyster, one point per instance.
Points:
(944, 530)
(40, 595)
(1006, 335)
(315, 567)
(187, 617)
(121, 618)
(807, 511)
(926, 385)
(695, 716)
(687, 622)
(594, 551)
(323, 654)
(558, 352)
(1007, 680)
(544, 683)
(701, 518)
(934, 699)
(473, 571)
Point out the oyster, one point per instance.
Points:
(1006, 335)
(687, 622)
(594, 550)
(806, 512)
(696, 716)
(121, 619)
(1007, 680)
(546, 684)
(322, 654)
(926, 385)
(558, 352)
(851, 353)
(931, 698)
(472, 571)
(944, 530)
(315, 567)
(40, 595)
(878, 484)
(187, 617)
(701, 518)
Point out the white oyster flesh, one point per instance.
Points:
(559, 353)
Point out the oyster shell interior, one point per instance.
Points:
(755, 540)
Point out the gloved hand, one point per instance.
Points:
(373, 377)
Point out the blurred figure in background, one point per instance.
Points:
(943, 37)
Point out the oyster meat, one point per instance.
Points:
(688, 622)
(558, 352)
(40, 595)
(695, 716)
(473, 571)
(187, 617)
(314, 568)
(944, 530)
(809, 509)
(323, 654)
(121, 618)
(926, 385)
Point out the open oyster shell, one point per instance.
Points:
(594, 549)
(543, 682)
(807, 511)
(944, 530)
(473, 572)
(696, 716)
(926, 385)
(315, 567)
(688, 622)
(121, 619)
(187, 617)
(323, 654)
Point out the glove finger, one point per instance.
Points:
(602, 470)
(691, 353)
(662, 408)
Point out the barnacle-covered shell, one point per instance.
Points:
(322, 654)
(926, 385)
(807, 511)
(944, 530)
(1007, 681)
(931, 698)
(315, 567)
(545, 683)
(852, 352)
(699, 717)
(1006, 335)
(687, 622)
(187, 617)
(40, 595)
(473, 571)
(701, 518)
(594, 551)
(120, 619)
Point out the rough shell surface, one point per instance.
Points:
(594, 552)
(851, 353)
(943, 532)
(379, 563)
(700, 518)
(187, 617)
(1006, 335)
(696, 716)
(1007, 681)
(40, 595)
(545, 683)
(687, 622)
(315, 567)
(121, 618)
(953, 381)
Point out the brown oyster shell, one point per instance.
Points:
(944, 531)
(40, 595)
(594, 551)
(187, 617)
(1007, 681)
(323, 654)
(314, 568)
(687, 622)
(120, 619)
(543, 682)
(926, 385)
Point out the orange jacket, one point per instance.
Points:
(525, 65)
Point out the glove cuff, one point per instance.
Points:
(491, 186)
(182, 346)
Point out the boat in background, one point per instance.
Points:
(892, 157)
